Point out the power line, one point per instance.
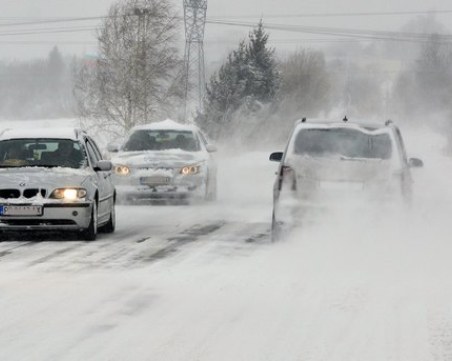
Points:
(38, 42)
(336, 32)
(339, 14)
(48, 31)
(55, 20)
(353, 33)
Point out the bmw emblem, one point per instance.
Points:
(23, 184)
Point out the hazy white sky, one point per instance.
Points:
(219, 38)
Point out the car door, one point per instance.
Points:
(105, 187)
(211, 161)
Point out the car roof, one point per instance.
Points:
(53, 133)
(167, 124)
(344, 123)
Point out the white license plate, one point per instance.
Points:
(341, 186)
(155, 180)
(20, 210)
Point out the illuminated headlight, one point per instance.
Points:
(68, 194)
(122, 170)
(190, 170)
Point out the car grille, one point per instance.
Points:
(17, 193)
(9, 193)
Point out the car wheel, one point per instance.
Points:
(110, 226)
(211, 190)
(276, 230)
(90, 233)
(407, 195)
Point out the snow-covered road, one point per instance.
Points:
(204, 282)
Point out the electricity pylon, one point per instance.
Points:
(195, 77)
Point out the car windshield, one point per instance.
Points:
(41, 153)
(349, 143)
(162, 140)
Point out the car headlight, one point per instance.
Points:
(190, 169)
(68, 194)
(121, 170)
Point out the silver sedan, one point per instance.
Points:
(54, 180)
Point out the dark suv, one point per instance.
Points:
(326, 160)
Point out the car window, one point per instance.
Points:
(344, 142)
(41, 152)
(145, 139)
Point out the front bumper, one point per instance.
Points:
(181, 187)
(55, 216)
(131, 193)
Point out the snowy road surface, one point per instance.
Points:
(204, 282)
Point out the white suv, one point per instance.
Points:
(327, 160)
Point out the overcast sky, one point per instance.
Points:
(219, 38)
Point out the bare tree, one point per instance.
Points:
(136, 78)
(306, 84)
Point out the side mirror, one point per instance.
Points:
(276, 156)
(103, 166)
(113, 147)
(415, 163)
(211, 148)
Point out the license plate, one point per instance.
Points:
(155, 180)
(20, 210)
(341, 186)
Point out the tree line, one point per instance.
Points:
(37, 88)
(137, 77)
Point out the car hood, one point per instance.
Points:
(31, 177)
(342, 169)
(159, 159)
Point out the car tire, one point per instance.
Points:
(276, 230)
(90, 233)
(211, 191)
(110, 226)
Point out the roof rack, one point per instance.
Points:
(301, 120)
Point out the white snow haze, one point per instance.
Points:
(204, 281)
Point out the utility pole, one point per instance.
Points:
(142, 13)
(195, 77)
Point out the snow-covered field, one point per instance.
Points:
(204, 282)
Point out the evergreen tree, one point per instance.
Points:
(247, 79)
(55, 64)
(226, 92)
(264, 80)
